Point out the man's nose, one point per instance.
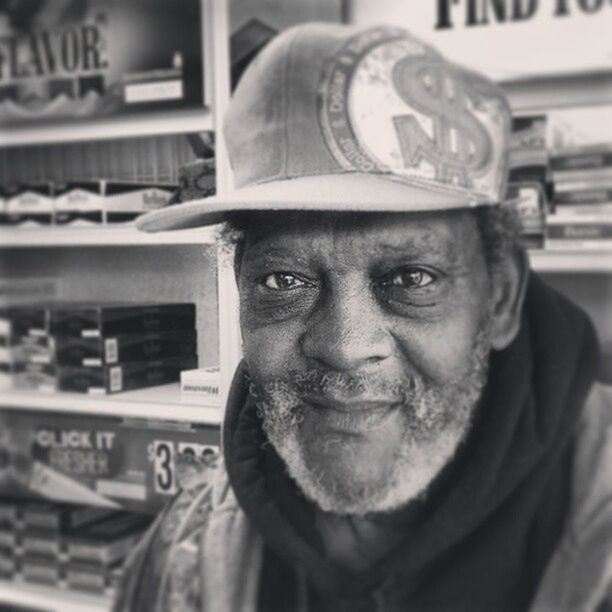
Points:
(346, 331)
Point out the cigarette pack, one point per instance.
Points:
(46, 570)
(203, 382)
(3, 204)
(82, 575)
(34, 376)
(602, 195)
(62, 517)
(108, 541)
(126, 201)
(17, 321)
(124, 348)
(90, 320)
(9, 537)
(9, 565)
(10, 511)
(42, 542)
(31, 204)
(33, 349)
(79, 203)
(124, 377)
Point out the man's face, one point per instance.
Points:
(366, 340)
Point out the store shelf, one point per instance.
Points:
(121, 235)
(571, 261)
(163, 402)
(549, 91)
(151, 124)
(38, 597)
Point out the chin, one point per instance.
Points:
(353, 478)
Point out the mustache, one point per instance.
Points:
(340, 385)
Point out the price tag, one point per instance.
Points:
(164, 469)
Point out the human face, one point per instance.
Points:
(365, 337)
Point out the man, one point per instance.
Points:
(415, 415)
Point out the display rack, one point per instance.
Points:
(100, 236)
(51, 599)
(162, 402)
(152, 124)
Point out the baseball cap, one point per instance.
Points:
(332, 117)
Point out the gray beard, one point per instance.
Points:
(435, 420)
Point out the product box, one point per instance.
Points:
(35, 376)
(124, 348)
(42, 542)
(79, 202)
(9, 537)
(33, 349)
(528, 158)
(10, 511)
(30, 205)
(9, 563)
(3, 204)
(126, 201)
(529, 200)
(90, 320)
(85, 576)
(42, 569)
(17, 321)
(109, 541)
(578, 232)
(202, 382)
(583, 196)
(113, 462)
(124, 377)
(61, 517)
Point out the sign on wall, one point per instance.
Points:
(84, 58)
(505, 38)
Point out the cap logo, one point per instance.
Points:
(391, 104)
(460, 146)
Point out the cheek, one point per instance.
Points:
(270, 350)
(441, 349)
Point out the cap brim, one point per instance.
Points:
(335, 192)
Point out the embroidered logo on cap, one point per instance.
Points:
(391, 104)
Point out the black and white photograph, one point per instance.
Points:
(305, 306)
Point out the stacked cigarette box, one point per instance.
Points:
(582, 198)
(81, 547)
(81, 202)
(100, 348)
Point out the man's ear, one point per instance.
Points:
(509, 285)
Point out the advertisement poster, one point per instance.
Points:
(104, 461)
(505, 39)
(66, 59)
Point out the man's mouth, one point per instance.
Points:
(355, 416)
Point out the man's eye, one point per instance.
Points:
(408, 278)
(282, 281)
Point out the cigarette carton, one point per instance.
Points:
(79, 203)
(126, 201)
(42, 542)
(124, 348)
(30, 205)
(9, 537)
(9, 565)
(45, 570)
(125, 377)
(202, 382)
(62, 517)
(107, 542)
(90, 320)
(34, 376)
(85, 576)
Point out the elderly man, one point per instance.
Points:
(415, 414)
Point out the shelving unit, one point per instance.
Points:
(155, 124)
(51, 599)
(120, 235)
(163, 402)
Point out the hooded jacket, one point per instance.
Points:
(521, 518)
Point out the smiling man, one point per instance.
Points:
(415, 425)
